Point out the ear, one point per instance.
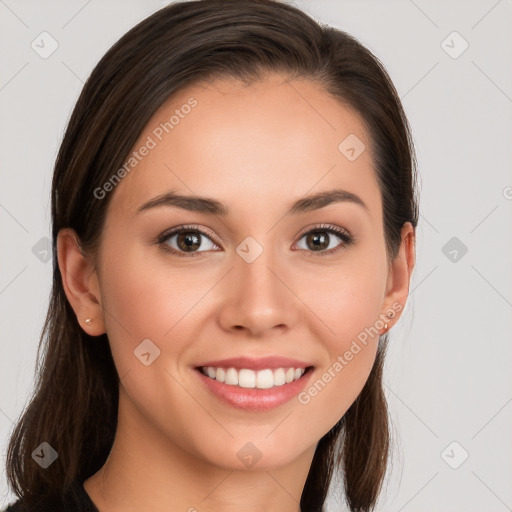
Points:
(80, 282)
(399, 277)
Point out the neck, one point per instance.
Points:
(148, 471)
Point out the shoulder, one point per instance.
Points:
(75, 499)
(18, 506)
(21, 506)
(13, 507)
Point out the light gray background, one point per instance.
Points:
(448, 372)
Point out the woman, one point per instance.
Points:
(234, 208)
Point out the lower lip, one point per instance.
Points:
(255, 399)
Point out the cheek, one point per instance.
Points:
(346, 299)
(142, 300)
(351, 352)
(347, 304)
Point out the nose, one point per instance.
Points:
(258, 298)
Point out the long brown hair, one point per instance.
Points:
(75, 400)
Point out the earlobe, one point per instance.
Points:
(78, 280)
(400, 276)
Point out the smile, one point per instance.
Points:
(254, 390)
(246, 378)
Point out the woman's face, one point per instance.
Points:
(251, 281)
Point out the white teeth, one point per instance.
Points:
(231, 377)
(265, 379)
(279, 378)
(246, 379)
(220, 374)
(262, 379)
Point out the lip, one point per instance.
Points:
(254, 399)
(260, 363)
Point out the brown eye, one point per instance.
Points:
(188, 241)
(183, 240)
(317, 241)
(326, 240)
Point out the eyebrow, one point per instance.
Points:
(214, 207)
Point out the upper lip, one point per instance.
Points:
(256, 363)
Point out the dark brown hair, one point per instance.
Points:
(74, 405)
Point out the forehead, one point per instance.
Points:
(274, 140)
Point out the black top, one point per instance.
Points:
(75, 499)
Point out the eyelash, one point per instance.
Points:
(343, 234)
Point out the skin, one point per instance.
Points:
(257, 149)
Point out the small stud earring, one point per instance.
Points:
(389, 314)
(88, 321)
